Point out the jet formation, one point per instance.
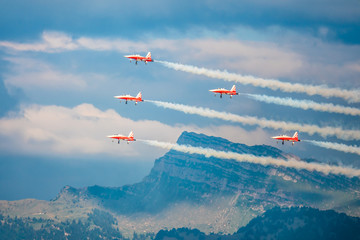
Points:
(220, 91)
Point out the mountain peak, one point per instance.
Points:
(67, 192)
(222, 144)
(187, 137)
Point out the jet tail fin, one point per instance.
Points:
(139, 95)
(131, 134)
(295, 135)
(233, 89)
(148, 55)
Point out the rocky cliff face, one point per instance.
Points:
(178, 177)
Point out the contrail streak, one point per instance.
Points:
(348, 95)
(305, 104)
(248, 120)
(336, 146)
(289, 163)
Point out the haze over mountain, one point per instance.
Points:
(190, 190)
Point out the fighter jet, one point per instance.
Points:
(119, 137)
(292, 139)
(224, 91)
(128, 97)
(140, 58)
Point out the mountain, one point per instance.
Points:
(301, 223)
(191, 190)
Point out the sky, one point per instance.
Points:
(61, 63)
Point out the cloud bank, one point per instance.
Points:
(269, 59)
(54, 42)
(81, 131)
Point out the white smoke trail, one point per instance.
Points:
(349, 95)
(306, 104)
(247, 120)
(336, 146)
(289, 163)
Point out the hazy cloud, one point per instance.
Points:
(28, 73)
(259, 57)
(82, 130)
(294, 56)
(52, 42)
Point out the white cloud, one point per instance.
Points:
(58, 40)
(51, 42)
(28, 73)
(82, 130)
(251, 56)
(103, 44)
(265, 59)
(283, 54)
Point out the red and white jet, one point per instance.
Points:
(292, 139)
(119, 137)
(222, 91)
(128, 97)
(140, 58)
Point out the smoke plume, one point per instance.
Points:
(248, 120)
(348, 95)
(289, 163)
(336, 146)
(306, 104)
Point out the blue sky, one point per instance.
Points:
(62, 62)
